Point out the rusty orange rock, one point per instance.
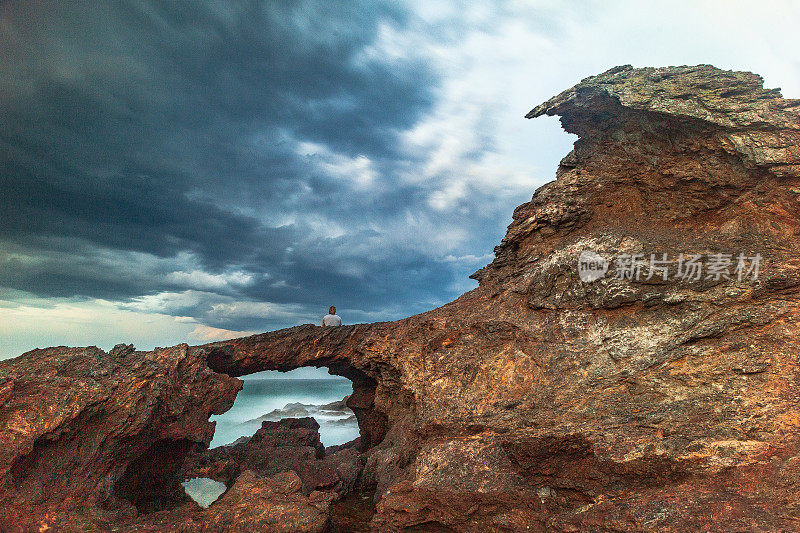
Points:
(538, 401)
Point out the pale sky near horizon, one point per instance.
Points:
(199, 172)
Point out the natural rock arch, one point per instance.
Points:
(535, 401)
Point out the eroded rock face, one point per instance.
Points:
(90, 438)
(542, 401)
(289, 445)
(254, 504)
(539, 401)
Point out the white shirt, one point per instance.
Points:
(331, 320)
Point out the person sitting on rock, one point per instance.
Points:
(331, 319)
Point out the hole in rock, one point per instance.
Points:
(151, 482)
(273, 395)
(203, 490)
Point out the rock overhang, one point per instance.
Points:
(538, 401)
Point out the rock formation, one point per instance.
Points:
(291, 444)
(641, 399)
(90, 437)
(336, 409)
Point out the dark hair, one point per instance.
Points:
(332, 309)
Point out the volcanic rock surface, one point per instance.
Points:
(91, 438)
(640, 401)
(291, 444)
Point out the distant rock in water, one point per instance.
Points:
(345, 421)
(334, 410)
(290, 410)
(629, 361)
(339, 406)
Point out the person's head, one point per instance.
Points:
(332, 310)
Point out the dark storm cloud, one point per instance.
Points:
(170, 130)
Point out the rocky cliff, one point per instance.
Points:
(629, 361)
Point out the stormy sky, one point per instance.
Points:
(196, 170)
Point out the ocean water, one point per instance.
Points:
(273, 393)
(203, 490)
(268, 391)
